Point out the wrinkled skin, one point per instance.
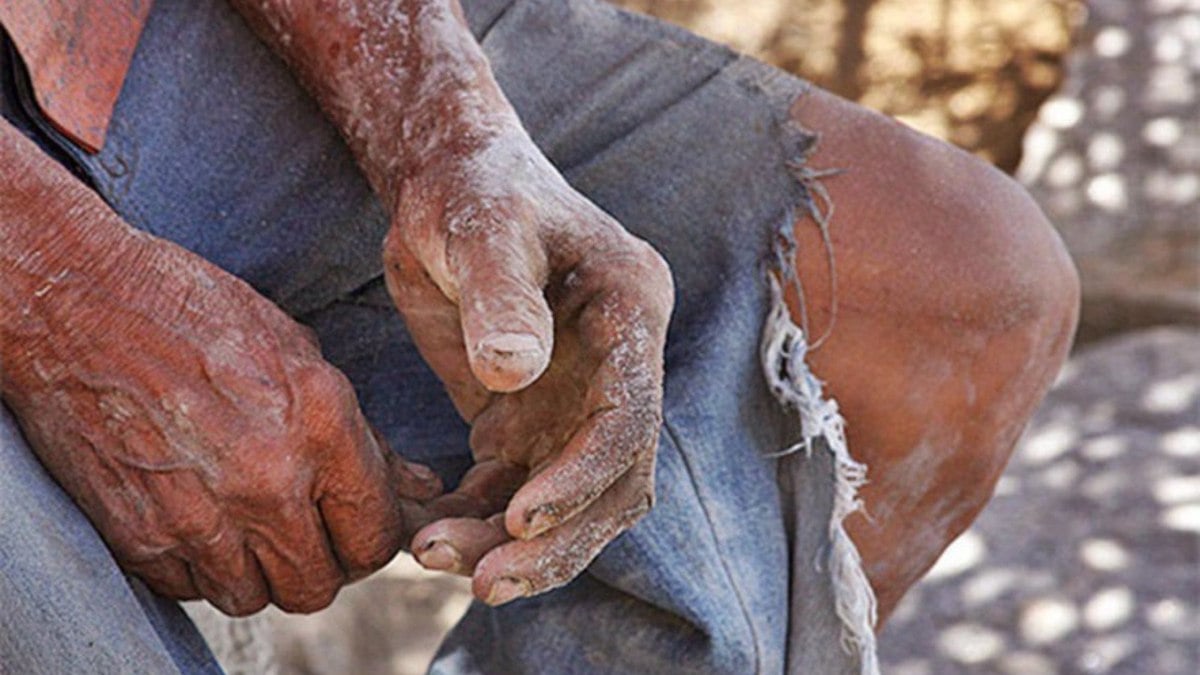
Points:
(544, 318)
(193, 421)
(490, 287)
(221, 457)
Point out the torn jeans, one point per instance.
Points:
(743, 565)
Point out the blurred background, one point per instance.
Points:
(1088, 558)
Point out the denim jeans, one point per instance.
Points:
(215, 146)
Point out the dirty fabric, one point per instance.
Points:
(742, 567)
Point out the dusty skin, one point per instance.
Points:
(955, 307)
(192, 420)
(242, 441)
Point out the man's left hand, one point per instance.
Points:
(546, 320)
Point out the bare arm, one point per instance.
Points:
(405, 81)
(544, 318)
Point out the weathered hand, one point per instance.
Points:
(194, 422)
(546, 321)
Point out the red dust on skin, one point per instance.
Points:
(194, 422)
(517, 290)
(941, 262)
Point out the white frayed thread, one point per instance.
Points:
(782, 352)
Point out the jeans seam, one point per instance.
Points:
(687, 465)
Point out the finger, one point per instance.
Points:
(167, 576)
(456, 544)
(602, 451)
(484, 493)
(625, 413)
(358, 504)
(298, 563)
(507, 326)
(484, 490)
(227, 575)
(412, 480)
(526, 567)
(366, 531)
(433, 322)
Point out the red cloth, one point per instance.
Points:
(77, 53)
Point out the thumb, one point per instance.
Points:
(508, 330)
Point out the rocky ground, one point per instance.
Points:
(1114, 159)
(1088, 559)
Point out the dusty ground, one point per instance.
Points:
(1114, 160)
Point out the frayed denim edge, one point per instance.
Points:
(782, 351)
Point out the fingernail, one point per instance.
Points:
(516, 350)
(507, 589)
(539, 520)
(421, 471)
(439, 555)
(510, 343)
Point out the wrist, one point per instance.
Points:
(405, 83)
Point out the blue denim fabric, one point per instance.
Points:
(215, 146)
(64, 605)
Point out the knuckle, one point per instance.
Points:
(657, 279)
(648, 500)
(656, 265)
(641, 278)
(313, 598)
(646, 420)
(639, 426)
(642, 503)
(132, 548)
(399, 266)
(233, 595)
(199, 529)
(245, 606)
(329, 405)
(393, 249)
(162, 575)
(361, 560)
(322, 382)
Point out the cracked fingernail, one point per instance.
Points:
(517, 349)
(439, 555)
(539, 520)
(510, 343)
(507, 589)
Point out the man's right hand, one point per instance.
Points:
(193, 421)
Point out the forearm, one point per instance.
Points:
(55, 233)
(72, 272)
(46, 214)
(405, 81)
